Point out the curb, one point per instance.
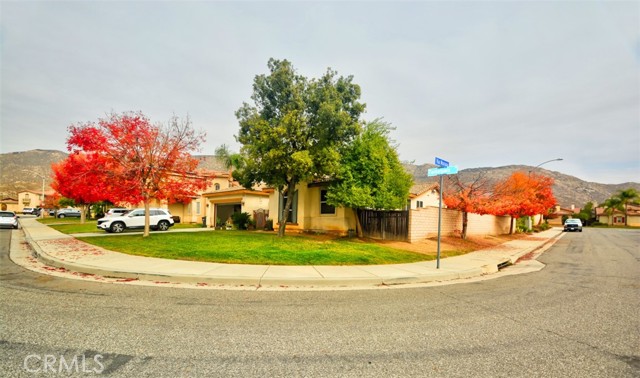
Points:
(275, 280)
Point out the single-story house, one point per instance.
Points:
(310, 211)
(618, 217)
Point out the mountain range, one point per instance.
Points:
(24, 171)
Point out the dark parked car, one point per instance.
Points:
(573, 225)
(63, 213)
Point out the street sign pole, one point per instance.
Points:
(443, 169)
(439, 223)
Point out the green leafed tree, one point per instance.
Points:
(370, 174)
(295, 129)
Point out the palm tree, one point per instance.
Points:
(612, 204)
(627, 197)
(230, 160)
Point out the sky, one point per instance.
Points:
(479, 84)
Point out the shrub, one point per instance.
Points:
(241, 220)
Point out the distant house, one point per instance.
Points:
(555, 218)
(10, 204)
(617, 218)
(32, 198)
(423, 195)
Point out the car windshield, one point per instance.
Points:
(6, 214)
(572, 221)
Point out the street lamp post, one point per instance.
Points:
(545, 162)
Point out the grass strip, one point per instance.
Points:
(243, 247)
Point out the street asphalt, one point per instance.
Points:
(65, 253)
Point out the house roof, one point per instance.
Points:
(236, 190)
(420, 189)
(632, 210)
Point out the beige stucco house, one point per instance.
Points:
(617, 218)
(310, 211)
(222, 202)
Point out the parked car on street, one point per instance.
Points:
(8, 219)
(63, 213)
(31, 210)
(573, 225)
(116, 211)
(159, 219)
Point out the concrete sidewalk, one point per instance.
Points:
(58, 250)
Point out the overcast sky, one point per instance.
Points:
(476, 83)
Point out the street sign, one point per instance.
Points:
(441, 162)
(451, 170)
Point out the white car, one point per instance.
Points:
(8, 219)
(159, 219)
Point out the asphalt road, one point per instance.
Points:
(578, 317)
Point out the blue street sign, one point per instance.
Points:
(441, 162)
(451, 170)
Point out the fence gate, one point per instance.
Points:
(385, 225)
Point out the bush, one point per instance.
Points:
(241, 220)
(268, 225)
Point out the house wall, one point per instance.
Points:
(10, 205)
(429, 198)
(29, 199)
(193, 211)
(634, 220)
(423, 223)
(308, 215)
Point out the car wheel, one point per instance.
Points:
(163, 225)
(61, 216)
(117, 227)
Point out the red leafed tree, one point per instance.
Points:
(80, 177)
(139, 161)
(522, 194)
(467, 197)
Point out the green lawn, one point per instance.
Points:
(244, 247)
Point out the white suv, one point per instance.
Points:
(159, 219)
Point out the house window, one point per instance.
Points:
(325, 208)
(292, 217)
(217, 186)
(419, 204)
(618, 220)
(198, 207)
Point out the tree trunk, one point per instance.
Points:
(83, 213)
(146, 218)
(511, 226)
(465, 221)
(359, 231)
(282, 222)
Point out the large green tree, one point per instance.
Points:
(295, 129)
(370, 173)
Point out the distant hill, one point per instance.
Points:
(19, 171)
